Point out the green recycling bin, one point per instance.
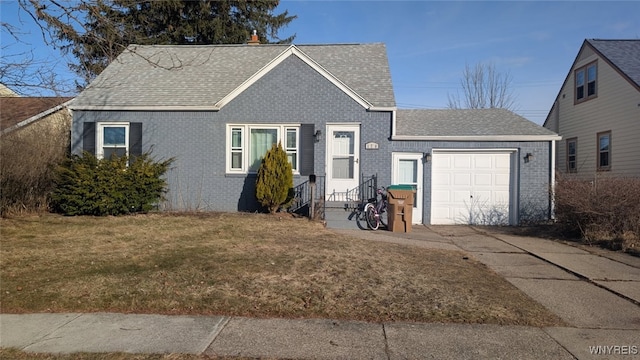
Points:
(400, 212)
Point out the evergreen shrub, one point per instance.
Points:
(85, 185)
(274, 186)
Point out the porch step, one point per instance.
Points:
(349, 205)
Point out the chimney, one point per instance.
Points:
(254, 38)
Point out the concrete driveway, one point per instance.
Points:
(596, 292)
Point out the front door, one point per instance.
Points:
(343, 161)
(407, 170)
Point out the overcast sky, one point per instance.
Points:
(428, 42)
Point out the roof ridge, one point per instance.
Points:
(613, 39)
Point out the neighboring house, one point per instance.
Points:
(42, 114)
(597, 111)
(217, 109)
(6, 92)
(34, 136)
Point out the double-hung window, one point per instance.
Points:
(112, 140)
(572, 155)
(586, 82)
(248, 143)
(604, 151)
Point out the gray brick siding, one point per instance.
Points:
(291, 93)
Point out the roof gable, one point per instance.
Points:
(208, 77)
(622, 55)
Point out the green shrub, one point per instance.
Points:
(275, 179)
(85, 185)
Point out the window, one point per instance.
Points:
(249, 143)
(585, 80)
(112, 140)
(572, 155)
(604, 151)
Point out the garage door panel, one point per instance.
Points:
(443, 162)
(476, 189)
(461, 196)
(462, 179)
(502, 180)
(462, 162)
(501, 197)
(441, 180)
(483, 162)
(483, 179)
(441, 196)
(503, 162)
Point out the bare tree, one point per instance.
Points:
(95, 32)
(23, 72)
(484, 87)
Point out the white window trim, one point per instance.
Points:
(246, 143)
(100, 136)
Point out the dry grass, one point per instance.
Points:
(244, 265)
(15, 354)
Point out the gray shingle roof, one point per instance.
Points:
(466, 123)
(625, 54)
(200, 76)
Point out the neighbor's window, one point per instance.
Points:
(572, 155)
(604, 151)
(585, 80)
(112, 140)
(247, 145)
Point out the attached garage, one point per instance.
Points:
(480, 166)
(473, 187)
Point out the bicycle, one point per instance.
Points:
(373, 213)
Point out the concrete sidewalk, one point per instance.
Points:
(596, 295)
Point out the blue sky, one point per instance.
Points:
(429, 42)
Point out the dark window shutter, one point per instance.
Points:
(89, 138)
(135, 139)
(307, 142)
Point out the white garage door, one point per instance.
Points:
(471, 188)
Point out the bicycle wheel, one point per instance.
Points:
(361, 220)
(372, 217)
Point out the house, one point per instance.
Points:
(44, 113)
(597, 111)
(217, 109)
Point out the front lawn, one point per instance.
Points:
(241, 264)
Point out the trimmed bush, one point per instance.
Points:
(605, 211)
(85, 185)
(274, 186)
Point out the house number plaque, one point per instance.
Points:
(371, 146)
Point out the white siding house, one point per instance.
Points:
(597, 111)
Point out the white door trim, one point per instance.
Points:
(341, 185)
(418, 157)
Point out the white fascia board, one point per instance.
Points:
(35, 117)
(383, 108)
(479, 138)
(144, 108)
(292, 50)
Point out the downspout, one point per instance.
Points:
(393, 124)
(552, 201)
